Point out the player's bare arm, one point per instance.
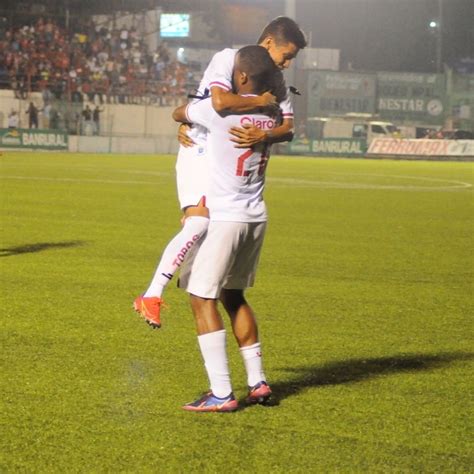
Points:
(249, 135)
(179, 115)
(226, 102)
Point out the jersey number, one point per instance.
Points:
(264, 157)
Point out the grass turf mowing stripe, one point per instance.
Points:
(364, 298)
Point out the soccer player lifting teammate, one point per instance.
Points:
(225, 263)
(282, 38)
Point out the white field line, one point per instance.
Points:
(77, 180)
(419, 178)
(450, 185)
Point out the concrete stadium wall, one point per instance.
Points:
(125, 145)
(116, 119)
(137, 120)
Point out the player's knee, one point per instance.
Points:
(201, 306)
(232, 299)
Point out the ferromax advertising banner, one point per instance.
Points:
(340, 93)
(28, 138)
(428, 148)
(410, 97)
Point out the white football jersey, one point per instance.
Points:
(236, 176)
(219, 74)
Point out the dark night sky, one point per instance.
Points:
(371, 34)
(385, 34)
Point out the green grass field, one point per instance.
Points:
(364, 299)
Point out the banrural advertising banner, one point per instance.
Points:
(392, 146)
(299, 146)
(339, 146)
(411, 97)
(328, 147)
(28, 138)
(339, 93)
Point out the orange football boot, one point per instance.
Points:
(149, 308)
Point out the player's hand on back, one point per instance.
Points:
(247, 136)
(270, 105)
(183, 137)
(268, 99)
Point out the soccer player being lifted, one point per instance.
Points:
(225, 262)
(282, 38)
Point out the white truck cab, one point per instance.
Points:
(351, 127)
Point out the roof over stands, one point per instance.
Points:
(76, 8)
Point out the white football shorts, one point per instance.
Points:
(226, 258)
(192, 175)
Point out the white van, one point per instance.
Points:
(350, 127)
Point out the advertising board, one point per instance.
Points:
(29, 138)
(403, 97)
(404, 147)
(328, 147)
(339, 93)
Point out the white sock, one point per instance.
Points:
(252, 356)
(178, 249)
(213, 350)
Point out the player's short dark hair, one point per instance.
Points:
(284, 30)
(257, 63)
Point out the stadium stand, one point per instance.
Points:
(89, 63)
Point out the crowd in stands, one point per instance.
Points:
(90, 62)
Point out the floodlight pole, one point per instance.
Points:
(290, 11)
(439, 38)
(67, 15)
(290, 8)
